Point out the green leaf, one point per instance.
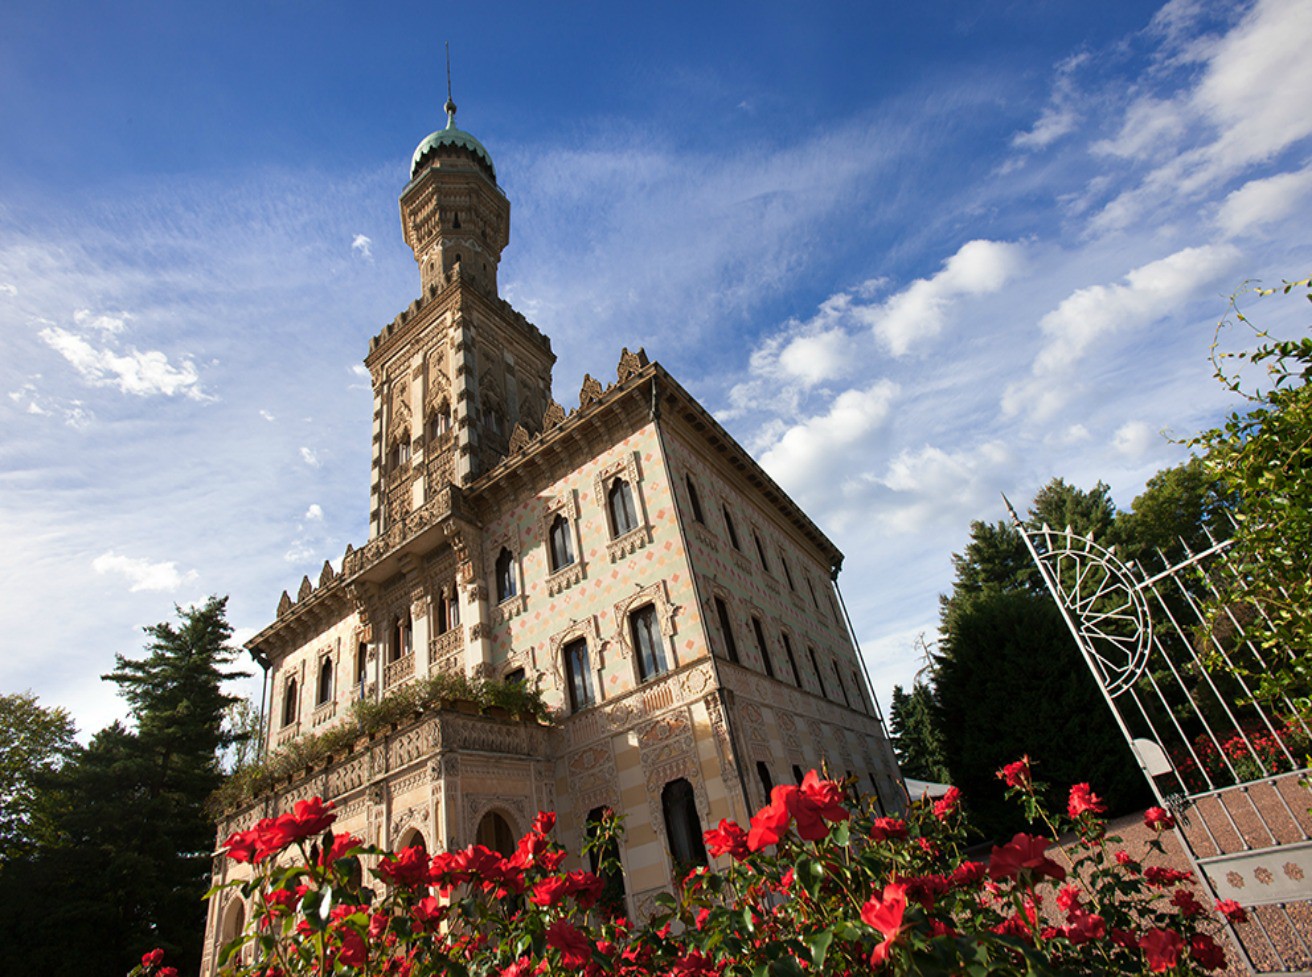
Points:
(819, 945)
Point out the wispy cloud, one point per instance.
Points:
(363, 246)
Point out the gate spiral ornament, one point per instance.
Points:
(1108, 607)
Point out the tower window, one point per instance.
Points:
(726, 626)
(760, 644)
(577, 677)
(325, 681)
(693, 500)
(648, 646)
(361, 664)
(439, 423)
(811, 587)
(728, 525)
(402, 637)
(559, 545)
(619, 503)
(506, 588)
(683, 828)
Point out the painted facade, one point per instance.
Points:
(676, 609)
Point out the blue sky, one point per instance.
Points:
(912, 255)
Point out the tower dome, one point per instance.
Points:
(452, 141)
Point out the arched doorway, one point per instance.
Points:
(494, 832)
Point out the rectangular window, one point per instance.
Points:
(728, 524)
(561, 547)
(760, 644)
(760, 551)
(815, 667)
(516, 676)
(788, 574)
(648, 646)
(694, 501)
(792, 660)
(767, 782)
(842, 686)
(577, 674)
(623, 514)
(730, 646)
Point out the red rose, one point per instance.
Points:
(341, 845)
(1184, 900)
(354, 951)
(770, 823)
(1161, 876)
(544, 822)
(584, 887)
(1081, 927)
(408, 869)
(575, 950)
(1084, 801)
(727, 839)
(1068, 898)
(1158, 818)
(968, 873)
(307, 819)
(886, 913)
(1024, 856)
(888, 829)
(153, 958)
(1206, 952)
(948, 803)
(427, 913)
(168, 972)
(548, 891)
(826, 795)
(1231, 910)
(1161, 948)
(1017, 774)
(240, 847)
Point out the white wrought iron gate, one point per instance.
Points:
(1233, 772)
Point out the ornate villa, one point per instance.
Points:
(627, 557)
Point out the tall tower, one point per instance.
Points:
(459, 371)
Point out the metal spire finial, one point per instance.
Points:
(450, 105)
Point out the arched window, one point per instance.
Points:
(693, 500)
(361, 665)
(506, 588)
(760, 644)
(728, 524)
(234, 922)
(604, 860)
(439, 612)
(760, 551)
(402, 637)
(648, 645)
(494, 833)
(726, 626)
(440, 422)
(325, 681)
(289, 702)
(683, 828)
(559, 545)
(577, 679)
(414, 838)
(619, 502)
(767, 782)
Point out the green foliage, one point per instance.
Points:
(1263, 455)
(916, 736)
(131, 841)
(34, 742)
(367, 717)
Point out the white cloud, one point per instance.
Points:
(267, 415)
(309, 457)
(1092, 314)
(110, 325)
(1134, 438)
(921, 310)
(933, 485)
(1151, 128)
(8, 288)
(141, 374)
(363, 246)
(301, 551)
(1060, 116)
(806, 455)
(314, 513)
(142, 574)
(1260, 202)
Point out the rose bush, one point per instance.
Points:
(813, 885)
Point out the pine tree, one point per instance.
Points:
(132, 858)
(916, 738)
